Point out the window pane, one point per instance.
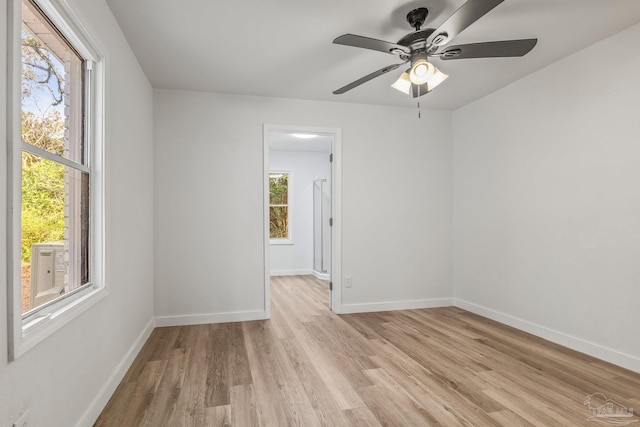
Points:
(55, 197)
(52, 88)
(279, 222)
(278, 188)
(54, 230)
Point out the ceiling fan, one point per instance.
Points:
(416, 48)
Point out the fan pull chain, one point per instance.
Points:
(419, 102)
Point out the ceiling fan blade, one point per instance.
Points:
(419, 90)
(466, 15)
(506, 48)
(367, 78)
(373, 44)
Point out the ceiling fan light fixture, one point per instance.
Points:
(403, 84)
(421, 72)
(437, 78)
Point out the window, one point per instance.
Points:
(279, 207)
(56, 184)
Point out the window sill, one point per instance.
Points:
(39, 328)
(281, 242)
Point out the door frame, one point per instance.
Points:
(336, 209)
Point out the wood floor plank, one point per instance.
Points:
(190, 403)
(425, 411)
(442, 401)
(361, 417)
(508, 418)
(443, 367)
(541, 407)
(265, 384)
(243, 406)
(363, 323)
(309, 367)
(548, 391)
(330, 373)
(342, 355)
(529, 409)
(320, 396)
(390, 405)
(142, 397)
(117, 406)
(275, 382)
(240, 373)
(218, 390)
(165, 342)
(169, 388)
(218, 416)
(143, 357)
(564, 369)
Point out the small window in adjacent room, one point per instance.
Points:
(280, 207)
(56, 189)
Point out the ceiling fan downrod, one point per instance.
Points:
(416, 17)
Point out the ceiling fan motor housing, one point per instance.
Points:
(416, 17)
(415, 37)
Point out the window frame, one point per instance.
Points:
(26, 331)
(288, 240)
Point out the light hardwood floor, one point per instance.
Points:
(309, 367)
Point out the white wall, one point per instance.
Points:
(209, 202)
(66, 379)
(305, 166)
(547, 201)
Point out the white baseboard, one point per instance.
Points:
(198, 319)
(321, 276)
(596, 350)
(301, 272)
(92, 412)
(394, 305)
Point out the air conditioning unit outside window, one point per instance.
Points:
(48, 271)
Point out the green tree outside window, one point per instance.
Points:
(279, 205)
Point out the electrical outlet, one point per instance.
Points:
(23, 421)
(348, 282)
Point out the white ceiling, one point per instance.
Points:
(283, 48)
(288, 141)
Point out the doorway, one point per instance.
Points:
(302, 213)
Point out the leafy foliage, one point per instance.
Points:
(46, 132)
(278, 209)
(42, 203)
(42, 183)
(278, 222)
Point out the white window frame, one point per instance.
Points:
(289, 240)
(26, 332)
